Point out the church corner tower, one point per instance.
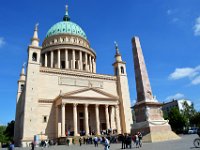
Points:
(148, 112)
(123, 91)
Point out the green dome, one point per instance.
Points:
(66, 27)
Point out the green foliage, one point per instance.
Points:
(9, 132)
(195, 119)
(3, 138)
(188, 112)
(176, 120)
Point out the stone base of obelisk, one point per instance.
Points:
(154, 131)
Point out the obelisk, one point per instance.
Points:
(148, 111)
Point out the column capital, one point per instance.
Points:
(96, 105)
(86, 105)
(117, 106)
(63, 104)
(106, 106)
(75, 104)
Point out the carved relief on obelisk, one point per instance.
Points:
(148, 111)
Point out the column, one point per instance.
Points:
(45, 59)
(58, 58)
(86, 65)
(63, 120)
(107, 117)
(75, 118)
(81, 60)
(51, 59)
(97, 119)
(118, 123)
(66, 59)
(86, 120)
(73, 59)
(93, 65)
(90, 63)
(112, 118)
(56, 122)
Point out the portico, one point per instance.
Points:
(86, 114)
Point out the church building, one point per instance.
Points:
(60, 94)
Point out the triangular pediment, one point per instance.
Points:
(90, 93)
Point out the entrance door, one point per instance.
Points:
(81, 124)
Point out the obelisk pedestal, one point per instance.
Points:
(148, 111)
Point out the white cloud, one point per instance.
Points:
(2, 41)
(176, 96)
(196, 80)
(184, 72)
(193, 74)
(197, 27)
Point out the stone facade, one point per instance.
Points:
(61, 91)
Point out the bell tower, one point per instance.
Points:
(123, 92)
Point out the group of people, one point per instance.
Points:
(127, 140)
(96, 140)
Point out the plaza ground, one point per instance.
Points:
(185, 143)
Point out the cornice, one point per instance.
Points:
(77, 73)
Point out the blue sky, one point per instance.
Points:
(169, 33)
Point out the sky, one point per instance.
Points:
(169, 32)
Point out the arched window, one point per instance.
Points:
(34, 57)
(22, 87)
(122, 70)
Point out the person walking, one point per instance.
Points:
(106, 143)
(32, 145)
(96, 141)
(80, 141)
(137, 141)
(123, 141)
(140, 138)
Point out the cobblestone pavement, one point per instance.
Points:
(185, 143)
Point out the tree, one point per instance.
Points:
(195, 119)
(176, 120)
(9, 132)
(3, 138)
(188, 112)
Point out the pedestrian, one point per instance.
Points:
(136, 141)
(140, 138)
(11, 146)
(32, 145)
(133, 139)
(95, 141)
(123, 141)
(106, 143)
(80, 141)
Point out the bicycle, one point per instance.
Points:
(196, 142)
